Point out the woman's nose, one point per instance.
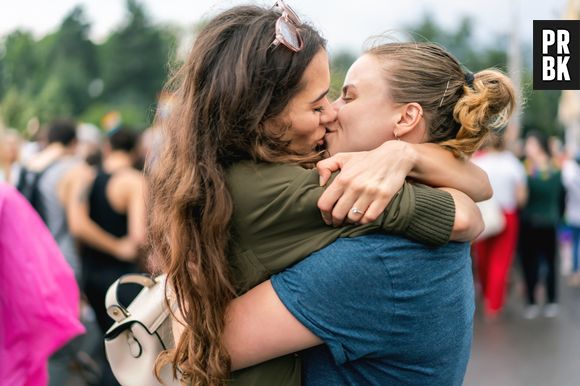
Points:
(337, 103)
(329, 115)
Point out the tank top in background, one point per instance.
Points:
(54, 212)
(113, 222)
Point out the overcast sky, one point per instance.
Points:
(346, 24)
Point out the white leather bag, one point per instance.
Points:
(141, 331)
(493, 218)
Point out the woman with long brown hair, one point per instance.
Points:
(420, 333)
(231, 201)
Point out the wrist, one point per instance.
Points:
(409, 157)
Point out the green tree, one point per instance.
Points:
(19, 60)
(15, 109)
(134, 62)
(51, 75)
(70, 64)
(461, 43)
(18, 63)
(339, 66)
(72, 41)
(540, 108)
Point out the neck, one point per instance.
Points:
(117, 160)
(541, 160)
(56, 148)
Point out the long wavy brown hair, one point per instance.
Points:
(459, 116)
(233, 81)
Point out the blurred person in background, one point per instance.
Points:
(43, 183)
(90, 142)
(46, 181)
(539, 221)
(10, 144)
(571, 181)
(556, 151)
(46, 184)
(36, 135)
(40, 297)
(494, 255)
(110, 197)
(149, 147)
(109, 200)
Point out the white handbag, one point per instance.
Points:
(141, 331)
(493, 218)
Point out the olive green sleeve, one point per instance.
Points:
(422, 213)
(277, 222)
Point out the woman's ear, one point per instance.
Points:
(410, 121)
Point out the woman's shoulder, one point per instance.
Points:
(261, 175)
(260, 169)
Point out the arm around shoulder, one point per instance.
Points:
(438, 167)
(468, 223)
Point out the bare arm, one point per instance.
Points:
(521, 195)
(437, 167)
(369, 180)
(468, 220)
(260, 328)
(83, 227)
(136, 209)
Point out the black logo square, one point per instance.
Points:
(556, 54)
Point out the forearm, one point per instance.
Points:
(259, 328)
(93, 235)
(137, 230)
(468, 222)
(137, 212)
(438, 167)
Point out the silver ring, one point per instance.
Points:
(356, 210)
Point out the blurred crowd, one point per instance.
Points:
(88, 188)
(532, 225)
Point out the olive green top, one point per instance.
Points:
(277, 223)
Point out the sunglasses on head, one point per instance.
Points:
(287, 32)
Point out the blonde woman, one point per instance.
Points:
(229, 196)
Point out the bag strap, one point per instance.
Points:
(117, 311)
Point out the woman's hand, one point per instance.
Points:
(126, 249)
(367, 182)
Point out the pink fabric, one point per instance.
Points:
(39, 297)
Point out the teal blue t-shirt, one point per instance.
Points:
(391, 311)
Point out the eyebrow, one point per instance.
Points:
(320, 96)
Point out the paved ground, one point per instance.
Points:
(512, 351)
